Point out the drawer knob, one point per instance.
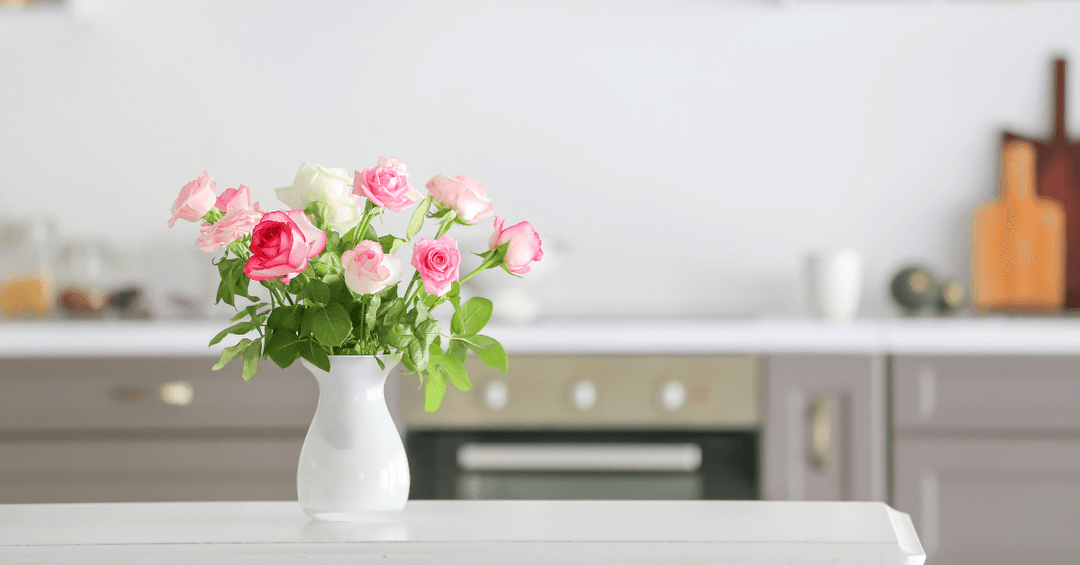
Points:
(176, 393)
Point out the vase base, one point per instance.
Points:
(360, 517)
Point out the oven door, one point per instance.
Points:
(594, 465)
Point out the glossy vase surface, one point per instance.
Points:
(353, 466)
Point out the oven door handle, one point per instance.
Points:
(579, 457)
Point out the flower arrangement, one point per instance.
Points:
(335, 284)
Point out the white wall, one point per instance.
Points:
(688, 152)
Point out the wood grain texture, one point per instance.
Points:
(1057, 163)
(1018, 242)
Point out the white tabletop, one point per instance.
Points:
(742, 532)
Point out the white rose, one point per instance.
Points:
(332, 186)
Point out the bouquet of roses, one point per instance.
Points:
(334, 283)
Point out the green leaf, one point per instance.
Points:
(457, 349)
(333, 243)
(338, 291)
(398, 336)
(252, 310)
(426, 331)
(392, 310)
(417, 220)
(317, 292)
(233, 281)
(434, 391)
(231, 353)
(283, 348)
(372, 310)
(251, 359)
(490, 351)
(286, 318)
(239, 329)
(455, 369)
(329, 325)
(315, 354)
(391, 244)
(475, 314)
(419, 354)
(369, 234)
(419, 314)
(495, 257)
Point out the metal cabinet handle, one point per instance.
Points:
(821, 433)
(177, 393)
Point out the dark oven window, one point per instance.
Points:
(723, 465)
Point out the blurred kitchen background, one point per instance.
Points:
(698, 147)
(710, 178)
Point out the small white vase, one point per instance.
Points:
(352, 466)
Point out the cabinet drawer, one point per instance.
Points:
(991, 501)
(150, 471)
(51, 394)
(1036, 392)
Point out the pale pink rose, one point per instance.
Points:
(237, 198)
(386, 184)
(195, 200)
(393, 163)
(237, 223)
(463, 195)
(368, 270)
(437, 261)
(524, 245)
(281, 245)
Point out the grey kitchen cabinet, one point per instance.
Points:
(825, 423)
(987, 456)
(149, 429)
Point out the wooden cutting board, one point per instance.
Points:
(1057, 163)
(1018, 242)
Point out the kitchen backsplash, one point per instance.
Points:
(679, 158)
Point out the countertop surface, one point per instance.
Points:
(961, 335)
(465, 532)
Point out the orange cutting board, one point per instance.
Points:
(1018, 242)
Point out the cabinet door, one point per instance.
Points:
(991, 501)
(825, 428)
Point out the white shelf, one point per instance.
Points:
(986, 335)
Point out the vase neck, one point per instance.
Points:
(354, 374)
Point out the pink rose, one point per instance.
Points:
(236, 197)
(437, 261)
(281, 245)
(386, 184)
(368, 270)
(233, 226)
(463, 195)
(524, 245)
(195, 200)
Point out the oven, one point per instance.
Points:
(591, 427)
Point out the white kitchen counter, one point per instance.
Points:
(971, 335)
(450, 532)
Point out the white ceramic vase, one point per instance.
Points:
(353, 466)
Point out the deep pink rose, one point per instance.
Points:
(368, 269)
(437, 261)
(195, 200)
(281, 245)
(386, 184)
(524, 245)
(462, 194)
